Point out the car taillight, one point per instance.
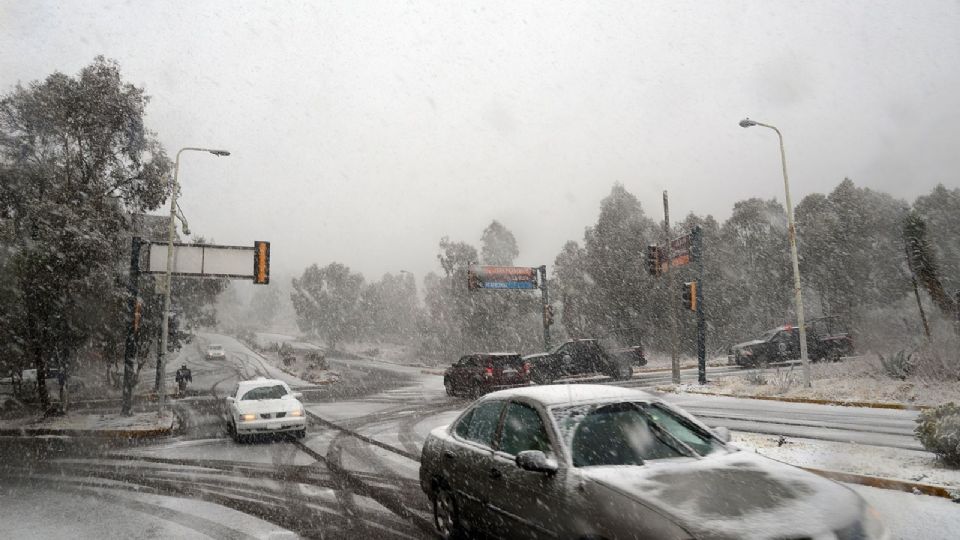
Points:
(489, 371)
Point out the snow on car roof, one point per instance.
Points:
(557, 394)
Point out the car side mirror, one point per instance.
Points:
(298, 395)
(722, 433)
(536, 461)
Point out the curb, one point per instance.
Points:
(812, 401)
(952, 494)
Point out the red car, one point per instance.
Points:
(477, 374)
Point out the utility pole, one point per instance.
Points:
(130, 347)
(545, 295)
(792, 233)
(674, 306)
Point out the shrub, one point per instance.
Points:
(898, 366)
(783, 380)
(757, 378)
(939, 431)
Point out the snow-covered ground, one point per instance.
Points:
(884, 462)
(856, 379)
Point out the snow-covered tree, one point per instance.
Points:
(76, 161)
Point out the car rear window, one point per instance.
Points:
(505, 361)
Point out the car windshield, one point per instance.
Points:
(628, 433)
(216, 347)
(276, 391)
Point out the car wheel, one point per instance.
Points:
(302, 433)
(445, 517)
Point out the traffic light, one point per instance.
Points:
(261, 262)
(690, 295)
(548, 315)
(653, 260)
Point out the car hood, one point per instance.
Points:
(268, 406)
(746, 344)
(737, 495)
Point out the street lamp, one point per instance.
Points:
(171, 232)
(792, 233)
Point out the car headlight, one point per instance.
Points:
(298, 412)
(873, 527)
(868, 527)
(248, 417)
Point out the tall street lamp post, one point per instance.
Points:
(792, 233)
(171, 232)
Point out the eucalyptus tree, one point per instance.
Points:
(77, 161)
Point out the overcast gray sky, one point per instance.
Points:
(362, 132)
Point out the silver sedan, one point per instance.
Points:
(592, 461)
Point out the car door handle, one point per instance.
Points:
(495, 473)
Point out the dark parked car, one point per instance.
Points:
(594, 461)
(825, 341)
(476, 374)
(583, 357)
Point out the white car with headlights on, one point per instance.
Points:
(264, 406)
(215, 352)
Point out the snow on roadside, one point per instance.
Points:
(854, 379)
(894, 463)
(143, 421)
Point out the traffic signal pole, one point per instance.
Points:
(130, 346)
(697, 252)
(674, 306)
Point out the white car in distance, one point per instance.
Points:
(216, 352)
(264, 406)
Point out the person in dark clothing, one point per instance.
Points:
(183, 377)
